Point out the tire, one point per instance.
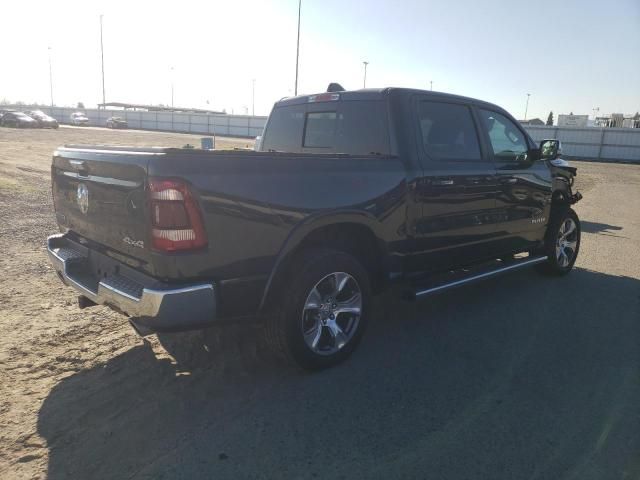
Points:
(325, 305)
(562, 243)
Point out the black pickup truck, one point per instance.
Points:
(349, 193)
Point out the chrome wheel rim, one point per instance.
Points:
(331, 313)
(567, 242)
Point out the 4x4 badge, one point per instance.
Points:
(82, 197)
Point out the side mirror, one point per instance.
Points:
(550, 149)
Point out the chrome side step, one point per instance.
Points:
(473, 276)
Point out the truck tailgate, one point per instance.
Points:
(99, 193)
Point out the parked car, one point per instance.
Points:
(116, 122)
(350, 193)
(43, 120)
(5, 110)
(79, 118)
(17, 120)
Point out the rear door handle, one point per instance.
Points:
(444, 181)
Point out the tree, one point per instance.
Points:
(80, 105)
(570, 113)
(550, 118)
(636, 116)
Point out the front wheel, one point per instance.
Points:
(562, 243)
(325, 308)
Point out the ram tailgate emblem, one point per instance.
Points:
(82, 197)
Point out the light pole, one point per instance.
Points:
(364, 83)
(171, 70)
(526, 108)
(595, 112)
(431, 84)
(253, 97)
(50, 77)
(102, 58)
(295, 90)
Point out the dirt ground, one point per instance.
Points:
(44, 337)
(525, 377)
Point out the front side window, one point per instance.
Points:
(507, 141)
(448, 131)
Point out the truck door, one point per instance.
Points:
(458, 187)
(525, 185)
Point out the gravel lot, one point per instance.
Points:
(518, 377)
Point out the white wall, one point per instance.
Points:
(198, 123)
(593, 143)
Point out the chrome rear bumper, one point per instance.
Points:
(153, 305)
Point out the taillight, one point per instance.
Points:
(176, 222)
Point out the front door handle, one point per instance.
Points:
(508, 181)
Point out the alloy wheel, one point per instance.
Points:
(566, 242)
(331, 313)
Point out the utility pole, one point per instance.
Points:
(295, 90)
(253, 97)
(50, 77)
(102, 58)
(526, 108)
(364, 83)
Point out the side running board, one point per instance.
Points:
(458, 279)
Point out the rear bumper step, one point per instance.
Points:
(464, 278)
(153, 305)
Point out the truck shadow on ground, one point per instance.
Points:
(599, 228)
(515, 376)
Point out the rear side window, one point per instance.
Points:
(448, 131)
(351, 127)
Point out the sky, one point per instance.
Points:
(570, 55)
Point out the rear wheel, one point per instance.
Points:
(562, 243)
(325, 308)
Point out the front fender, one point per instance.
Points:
(563, 179)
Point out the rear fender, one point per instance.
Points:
(304, 229)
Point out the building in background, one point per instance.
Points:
(155, 108)
(618, 120)
(573, 120)
(533, 121)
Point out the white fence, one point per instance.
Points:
(593, 143)
(197, 123)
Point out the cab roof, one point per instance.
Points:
(381, 93)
